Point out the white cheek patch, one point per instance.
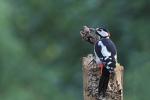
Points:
(104, 50)
(103, 33)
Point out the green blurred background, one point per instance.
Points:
(41, 49)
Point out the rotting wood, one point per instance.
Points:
(91, 77)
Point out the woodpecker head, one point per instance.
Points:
(102, 32)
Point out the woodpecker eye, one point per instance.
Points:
(100, 30)
(105, 30)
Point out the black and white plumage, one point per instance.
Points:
(102, 32)
(106, 54)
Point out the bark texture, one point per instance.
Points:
(91, 75)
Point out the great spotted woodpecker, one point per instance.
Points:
(106, 58)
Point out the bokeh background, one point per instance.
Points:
(41, 49)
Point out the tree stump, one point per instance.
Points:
(91, 76)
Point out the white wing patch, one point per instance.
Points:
(104, 50)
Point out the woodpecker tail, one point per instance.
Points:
(103, 83)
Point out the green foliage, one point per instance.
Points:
(41, 48)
